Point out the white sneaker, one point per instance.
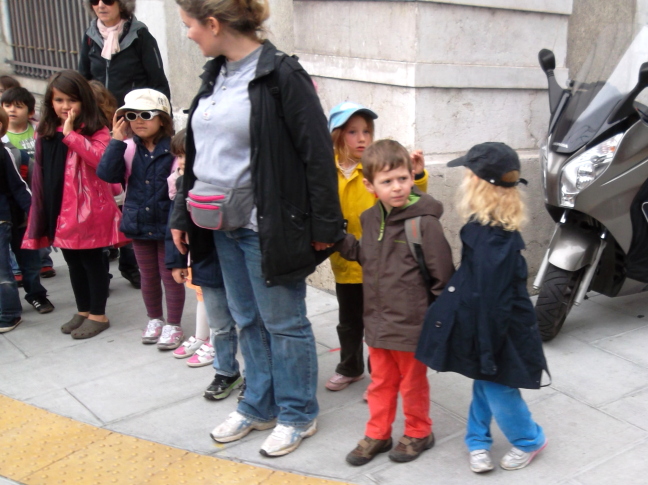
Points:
(516, 458)
(152, 332)
(237, 426)
(285, 439)
(188, 348)
(481, 461)
(171, 337)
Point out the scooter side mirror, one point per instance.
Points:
(643, 76)
(547, 60)
(626, 106)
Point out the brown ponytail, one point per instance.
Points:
(244, 16)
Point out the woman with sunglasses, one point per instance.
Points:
(257, 131)
(143, 164)
(118, 50)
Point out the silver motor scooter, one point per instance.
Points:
(595, 179)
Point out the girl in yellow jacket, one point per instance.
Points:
(352, 129)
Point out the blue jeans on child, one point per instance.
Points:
(223, 327)
(29, 263)
(511, 414)
(276, 338)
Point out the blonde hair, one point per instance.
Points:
(340, 147)
(491, 205)
(244, 16)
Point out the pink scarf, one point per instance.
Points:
(110, 36)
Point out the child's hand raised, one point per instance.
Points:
(120, 128)
(68, 126)
(418, 161)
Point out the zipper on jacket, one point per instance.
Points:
(107, 75)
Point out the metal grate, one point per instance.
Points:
(46, 35)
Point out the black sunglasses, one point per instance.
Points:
(108, 3)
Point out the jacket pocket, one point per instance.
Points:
(129, 222)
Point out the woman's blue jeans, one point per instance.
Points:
(223, 331)
(275, 336)
(511, 414)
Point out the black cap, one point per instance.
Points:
(491, 161)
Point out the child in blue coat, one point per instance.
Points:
(483, 325)
(144, 164)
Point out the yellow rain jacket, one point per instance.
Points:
(355, 199)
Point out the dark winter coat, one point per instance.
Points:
(15, 197)
(146, 207)
(394, 292)
(137, 65)
(483, 325)
(293, 170)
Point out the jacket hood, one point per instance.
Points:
(426, 205)
(132, 27)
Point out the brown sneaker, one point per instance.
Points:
(409, 449)
(366, 450)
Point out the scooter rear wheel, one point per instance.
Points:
(556, 299)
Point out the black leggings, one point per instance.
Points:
(89, 278)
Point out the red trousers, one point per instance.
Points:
(393, 371)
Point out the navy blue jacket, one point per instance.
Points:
(15, 197)
(483, 325)
(147, 204)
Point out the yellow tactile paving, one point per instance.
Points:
(42, 448)
(205, 470)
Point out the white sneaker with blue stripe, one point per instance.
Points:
(285, 439)
(236, 427)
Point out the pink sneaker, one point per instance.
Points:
(339, 382)
(171, 337)
(188, 348)
(203, 356)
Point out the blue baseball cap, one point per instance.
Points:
(343, 111)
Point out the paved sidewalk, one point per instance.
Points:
(595, 413)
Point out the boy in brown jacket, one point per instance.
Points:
(396, 298)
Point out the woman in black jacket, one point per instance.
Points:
(257, 135)
(118, 50)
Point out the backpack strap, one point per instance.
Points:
(273, 80)
(414, 241)
(129, 155)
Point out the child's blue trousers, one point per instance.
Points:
(511, 413)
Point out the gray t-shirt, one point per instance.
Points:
(221, 127)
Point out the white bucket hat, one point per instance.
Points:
(146, 100)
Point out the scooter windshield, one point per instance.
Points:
(607, 76)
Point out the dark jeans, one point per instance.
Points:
(350, 329)
(127, 261)
(29, 263)
(89, 278)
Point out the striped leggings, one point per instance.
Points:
(150, 258)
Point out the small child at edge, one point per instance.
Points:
(487, 329)
(396, 298)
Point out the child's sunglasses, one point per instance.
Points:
(145, 115)
(108, 3)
